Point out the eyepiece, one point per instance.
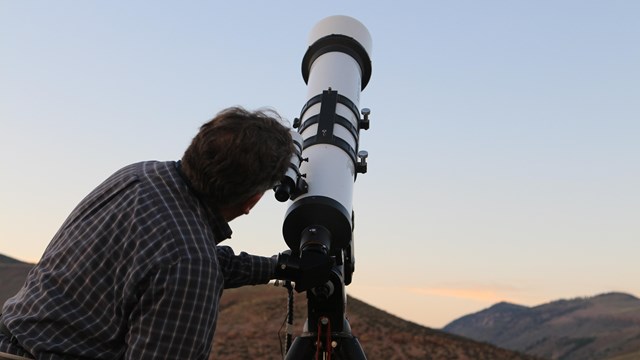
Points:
(292, 184)
(283, 191)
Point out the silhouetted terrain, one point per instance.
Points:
(601, 327)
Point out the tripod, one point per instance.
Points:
(327, 332)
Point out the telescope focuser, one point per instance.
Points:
(311, 265)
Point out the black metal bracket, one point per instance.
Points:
(326, 119)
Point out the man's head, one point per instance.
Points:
(236, 157)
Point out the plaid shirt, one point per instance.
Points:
(135, 272)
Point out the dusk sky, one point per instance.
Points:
(504, 149)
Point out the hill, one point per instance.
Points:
(13, 273)
(8, 260)
(250, 318)
(606, 326)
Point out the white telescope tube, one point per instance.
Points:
(336, 68)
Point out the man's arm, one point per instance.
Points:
(244, 269)
(176, 313)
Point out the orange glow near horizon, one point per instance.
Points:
(479, 294)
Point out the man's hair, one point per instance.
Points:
(238, 154)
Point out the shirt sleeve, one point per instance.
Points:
(244, 269)
(176, 313)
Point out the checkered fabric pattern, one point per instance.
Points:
(135, 272)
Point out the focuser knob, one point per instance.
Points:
(364, 122)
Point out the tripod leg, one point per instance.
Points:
(302, 348)
(349, 348)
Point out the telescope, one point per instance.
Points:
(319, 222)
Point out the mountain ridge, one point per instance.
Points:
(250, 320)
(596, 327)
(4, 259)
(603, 326)
(382, 335)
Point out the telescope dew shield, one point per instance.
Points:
(336, 68)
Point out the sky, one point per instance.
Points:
(503, 149)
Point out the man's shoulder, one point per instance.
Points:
(146, 173)
(134, 185)
(148, 167)
(161, 188)
(137, 171)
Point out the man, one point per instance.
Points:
(135, 272)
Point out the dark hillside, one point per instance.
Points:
(250, 318)
(12, 275)
(8, 260)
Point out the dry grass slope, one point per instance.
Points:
(250, 319)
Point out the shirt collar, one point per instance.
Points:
(219, 226)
